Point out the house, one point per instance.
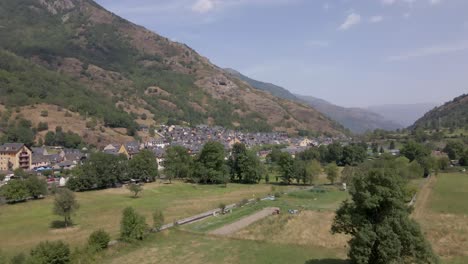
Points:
(112, 149)
(14, 156)
(39, 160)
(130, 149)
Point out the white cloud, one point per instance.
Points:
(432, 51)
(317, 43)
(352, 20)
(435, 2)
(376, 19)
(203, 6)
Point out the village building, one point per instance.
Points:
(15, 156)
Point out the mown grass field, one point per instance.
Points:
(24, 225)
(443, 215)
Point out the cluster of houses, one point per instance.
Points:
(18, 155)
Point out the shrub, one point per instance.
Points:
(44, 113)
(278, 194)
(99, 240)
(42, 126)
(51, 253)
(133, 226)
(158, 219)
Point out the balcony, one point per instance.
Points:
(24, 155)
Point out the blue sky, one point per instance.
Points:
(349, 52)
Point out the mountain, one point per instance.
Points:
(267, 87)
(357, 120)
(77, 56)
(453, 114)
(404, 114)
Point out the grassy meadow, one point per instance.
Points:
(24, 225)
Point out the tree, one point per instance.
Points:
(348, 174)
(332, 172)
(143, 166)
(65, 205)
(392, 145)
(15, 191)
(99, 240)
(454, 149)
(177, 163)
(210, 166)
(377, 218)
(132, 226)
(36, 187)
(56, 252)
(158, 219)
(286, 165)
(245, 166)
(415, 151)
(313, 171)
(443, 163)
(464, 159)
(135, 189)
(415, 170)
(49, 139)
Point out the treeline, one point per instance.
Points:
(103, 170)
(24, 186)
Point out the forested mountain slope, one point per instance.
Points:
(75, 54)
(453, 114)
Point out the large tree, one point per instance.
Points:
(143, 166)
(65, 205)
(244, 165)
(332, 172)
(377, 218)
(210, 166)
(177, 163)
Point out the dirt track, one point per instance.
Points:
(422, 197)
(244, 222)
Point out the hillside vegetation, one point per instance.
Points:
(452, 115)
(75, 54)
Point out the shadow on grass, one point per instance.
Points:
(58, 224)
(326, 261)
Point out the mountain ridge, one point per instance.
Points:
(138, 70)
(453, 114)
(357, 120)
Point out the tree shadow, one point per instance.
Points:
(59, 224)
(326, 261)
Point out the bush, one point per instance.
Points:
(158, 219)
(133, 226)
(44, 113)
(42, 126)
(99, 240)
(278, 194)
(51, 253)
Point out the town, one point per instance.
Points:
(44, 158)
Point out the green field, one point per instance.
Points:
(450, 194)
(24, 225)
(444, 216)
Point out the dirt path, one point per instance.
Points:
(422, 197)
(244, 222)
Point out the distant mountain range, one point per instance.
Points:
(357, 120)
(453, 114)
(404, 114)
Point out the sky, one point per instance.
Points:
(350, 52)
